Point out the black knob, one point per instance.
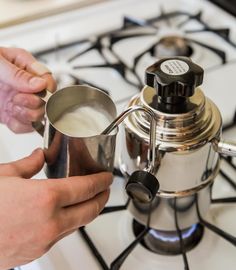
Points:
(174, 77)
(142, 186)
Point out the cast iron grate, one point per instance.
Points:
(132, 28)
(152, 23)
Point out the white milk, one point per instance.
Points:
(83, 121)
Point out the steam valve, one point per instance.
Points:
(142, 186)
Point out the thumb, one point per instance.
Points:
(25, 167)
(19, 79)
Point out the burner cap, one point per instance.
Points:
(173, 46)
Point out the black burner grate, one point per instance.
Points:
(131, 28)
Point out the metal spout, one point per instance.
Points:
(225, 148)
(152, 133)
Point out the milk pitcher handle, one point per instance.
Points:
(44, 95)
(39, 126)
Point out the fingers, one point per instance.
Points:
(75, 216)
(51, 83)
(26, 108)
(38, 68)
(17, 126)
(24, 67)
(35, 67)
(25, 115)
(82, 188)
(23, 75)
(26, 167)
(41, 70)
(19, 79)
(17, 56)
(29, 101)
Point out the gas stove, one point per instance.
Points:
(112, 55)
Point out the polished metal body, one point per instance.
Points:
(186, 160)
(67, 155)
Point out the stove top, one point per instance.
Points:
(115, 61)
(228, 5)
(111, 53)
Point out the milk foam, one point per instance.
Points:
(82, 121)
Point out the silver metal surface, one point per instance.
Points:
(178, 131)
(163, 210)
(39, 125)
(180, 180)
(152, 133)
(191, 191)
(44, 95)
(226, 148)
(66, 155)
(186, 159)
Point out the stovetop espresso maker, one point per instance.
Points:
(171, 149)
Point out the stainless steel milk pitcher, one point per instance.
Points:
(187, 146)
(71, 154)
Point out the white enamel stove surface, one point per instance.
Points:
(112, 232)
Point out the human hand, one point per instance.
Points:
(35, 214)
(21, 76)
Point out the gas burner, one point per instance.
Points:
(123, 54)
(172, 46)
(170, 34)
(168, 242)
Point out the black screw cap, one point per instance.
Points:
(142, 186)
(174, 77)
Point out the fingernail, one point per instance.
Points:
(39, 68)
(36, 82)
